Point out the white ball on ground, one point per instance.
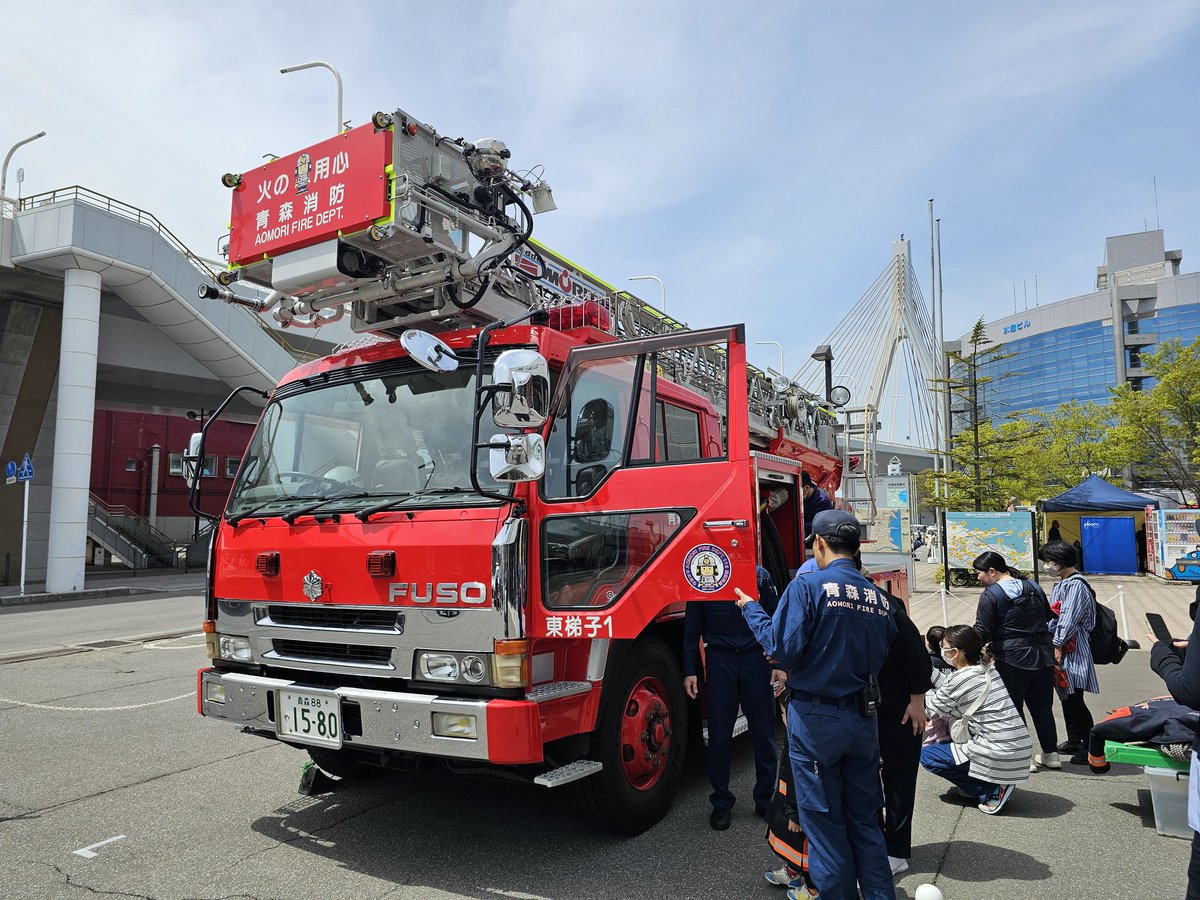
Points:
(928, 892)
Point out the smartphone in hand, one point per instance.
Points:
(1159, 627)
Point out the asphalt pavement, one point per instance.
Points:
(105, 755)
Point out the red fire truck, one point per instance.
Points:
(468, 537)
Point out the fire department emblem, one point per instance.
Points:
(706, 568)
(314, 587)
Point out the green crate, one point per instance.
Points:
(1136, 755)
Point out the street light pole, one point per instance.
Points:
(322, 65)
(7, 157)
(782, 370)
(662, 287)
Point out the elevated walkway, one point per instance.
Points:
(72, 261)
(144, 264)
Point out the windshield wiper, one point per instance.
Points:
(366, 513)
(292, 516)
(255, 510)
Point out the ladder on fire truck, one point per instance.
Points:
(455, 250)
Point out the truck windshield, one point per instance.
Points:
(395, 435)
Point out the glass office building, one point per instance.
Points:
(1076, 349)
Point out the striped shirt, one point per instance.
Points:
(1076, 619)
(999, 749)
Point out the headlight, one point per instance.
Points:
(453, 666)
(439, 666)
(235, 648)
(473, 669)
(214, 692)
(454, 725)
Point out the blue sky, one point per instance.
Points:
(759, 158)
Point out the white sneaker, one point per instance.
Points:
(1049, 760)
(1032, 766)
(779, 877)
(898, 865)
(996, 801)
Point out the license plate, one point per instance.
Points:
(309, 717)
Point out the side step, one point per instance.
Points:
(581, 768)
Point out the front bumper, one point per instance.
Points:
(508, 731)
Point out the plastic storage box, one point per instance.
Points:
(1168, 791)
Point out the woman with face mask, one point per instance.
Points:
(1074, 604)
(995, 756)
(1013, 615)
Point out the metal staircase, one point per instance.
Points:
(125, 534)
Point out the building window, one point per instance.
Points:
(175, 465)
(131, 465)
(231, 466)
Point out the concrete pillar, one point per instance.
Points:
(154, 452)
(1118, 320)
(73, 431)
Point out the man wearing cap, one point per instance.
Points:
(831, 634)
(815, 501)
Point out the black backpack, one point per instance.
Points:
(1107, 646)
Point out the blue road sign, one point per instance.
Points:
(10, 471)
(25, 470)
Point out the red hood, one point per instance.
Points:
(433, 547)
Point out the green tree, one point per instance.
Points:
(984, 457)
(1067, 444)
(1159, 429)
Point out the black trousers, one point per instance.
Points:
(1035, 687)
(1078, 718)
(900, 756)
(733, 679)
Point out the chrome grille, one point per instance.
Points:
(356, 654)
(346, 617)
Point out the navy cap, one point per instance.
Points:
(837, 523)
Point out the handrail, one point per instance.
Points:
(134, 528)
(206, 268)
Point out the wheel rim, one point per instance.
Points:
(645, 734)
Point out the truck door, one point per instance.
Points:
(648, 497)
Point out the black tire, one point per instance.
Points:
(344, 764)
(609, 798)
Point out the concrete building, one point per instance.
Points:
(1076, 349)
(108, 361)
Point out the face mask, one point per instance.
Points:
(948, 655)
(1053, 568)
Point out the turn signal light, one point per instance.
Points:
(267, 563)
(381, 563)
(510, 664)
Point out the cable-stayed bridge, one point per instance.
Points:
(884, 353)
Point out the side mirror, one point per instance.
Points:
(191, 459)
(523, 398)
(517, 457)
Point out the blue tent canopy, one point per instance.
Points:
(1095, 494)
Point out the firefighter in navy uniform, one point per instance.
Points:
(831, 634)
(735, 672)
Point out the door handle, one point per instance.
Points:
(727, 523)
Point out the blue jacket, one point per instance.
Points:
(720, 624)
(831, 631)
(818, 502)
